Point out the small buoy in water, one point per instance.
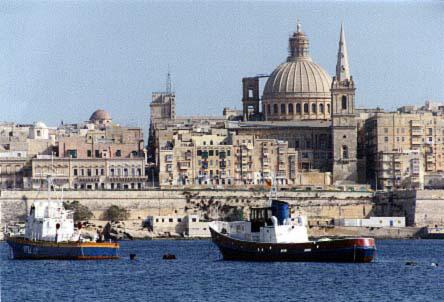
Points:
(411, 263)
(433, 264)
(169, 257)
(132, 256)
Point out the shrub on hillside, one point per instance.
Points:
(81, 212)
(115, 213)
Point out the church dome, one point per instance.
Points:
(40, 125)
(298, 88)
(100, 116)
(300, 78)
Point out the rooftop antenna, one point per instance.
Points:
(168, 81)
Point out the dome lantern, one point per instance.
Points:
(298, 45)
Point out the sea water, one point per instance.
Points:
(199, 274)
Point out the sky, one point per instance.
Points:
(61, 60)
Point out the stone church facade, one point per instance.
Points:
(301, 104)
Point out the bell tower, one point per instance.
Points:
(344, 131)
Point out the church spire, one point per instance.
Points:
(342, 69)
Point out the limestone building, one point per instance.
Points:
(394, 133)
(221, 159)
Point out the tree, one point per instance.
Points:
(81, 212)
(115, 213)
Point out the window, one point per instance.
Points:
(193, 219)
(305, 108)
(275, 108)
(321, 108)
(250, 93)
(328, 108)
(39, 133)
(386, 139)
(290, 108)
(72, 153)
(282, 108)
(298, 108)
(344, 152)
(89, 153)
(102, 171)
(211, 152)
(313, 108)
(75, 172)
(119, 153)
(97, 153)
(268, 109)
(170, 220)
(89, 172)
(344, 102)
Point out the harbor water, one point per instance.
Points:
(198, 274)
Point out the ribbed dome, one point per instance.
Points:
(99, 115)
(299, 78)
(298, 89)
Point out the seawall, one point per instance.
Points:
(320, 207)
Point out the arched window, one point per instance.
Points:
(344, 152)
(313, 108)
(282, 108)
(268, 109)
(298, 108)
(328, 108)
(321, 108)
(290, 108)
(305, 108)
(275, 108)
(344, 102)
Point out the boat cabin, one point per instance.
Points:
(48, 220)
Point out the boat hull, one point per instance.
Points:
(22, 248)
(358, 250)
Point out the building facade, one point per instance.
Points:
(418, 132)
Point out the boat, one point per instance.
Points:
(272, 235)
(50, 234)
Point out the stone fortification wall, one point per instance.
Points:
(421, 208)
(322, 206)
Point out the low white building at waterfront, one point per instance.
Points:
(187, 226)
(376, 222)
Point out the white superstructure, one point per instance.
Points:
(49, 221)
(294, 230)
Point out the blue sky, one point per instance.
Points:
(63, 60)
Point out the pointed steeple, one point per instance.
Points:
(342, 68)
(168, 81)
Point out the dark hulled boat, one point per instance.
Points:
(271, 235)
